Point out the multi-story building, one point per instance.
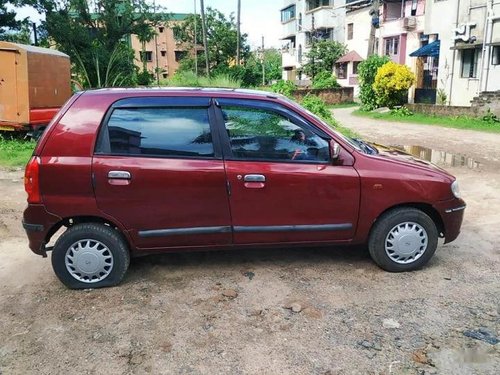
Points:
(466, 47)
(400, 32)
(163, 53)
(306, 21)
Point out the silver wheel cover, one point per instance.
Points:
(406, 242)
(89, 261)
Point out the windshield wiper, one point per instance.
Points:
(366, 147)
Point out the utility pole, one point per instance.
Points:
(313, 38)
(35, 34)
(205, 43)
(263, 66)
(374, 12)
(238, 33)
(157, 70)
(195, 41)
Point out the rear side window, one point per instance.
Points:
(174, 132)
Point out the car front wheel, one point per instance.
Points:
(90, 255)
(403, 239)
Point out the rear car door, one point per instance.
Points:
(158, 170)
(284, 187)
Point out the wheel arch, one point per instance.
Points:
(426, 208)
(73, 220)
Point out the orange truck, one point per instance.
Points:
(34, 83)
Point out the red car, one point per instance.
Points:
(135, 171)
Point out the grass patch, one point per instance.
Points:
(343, 105)
(457, 122)
(15, 152)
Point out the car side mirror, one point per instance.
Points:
(334, 150)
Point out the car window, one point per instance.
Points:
(266, 135)
(160, 132)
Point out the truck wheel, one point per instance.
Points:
(403, 239)
(90, 255)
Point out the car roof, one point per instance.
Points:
(185, 91)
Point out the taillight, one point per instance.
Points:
(32, 181)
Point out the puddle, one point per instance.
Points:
(441, 158)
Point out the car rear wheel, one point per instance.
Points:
(90, 255)
(403, 239)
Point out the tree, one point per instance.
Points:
(221, 40)
(205, 41)
(145, 33)
(322, 56)
(95, 34)
(367, 70)
(7, 20)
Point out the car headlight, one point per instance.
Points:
(455, 189)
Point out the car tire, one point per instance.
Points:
(90, 255)
(403, 239)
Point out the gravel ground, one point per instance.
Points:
(311, 311)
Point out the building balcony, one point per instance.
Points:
(289, 28)
(323, 18)
(289, 57)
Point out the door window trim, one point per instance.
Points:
(102, 144)
(279, 109)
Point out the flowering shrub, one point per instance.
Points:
(367, 70)
(392, 83)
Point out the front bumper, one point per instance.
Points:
(452, 214)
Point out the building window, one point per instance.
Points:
(391, 46)
(160, 29)
(165, 75)
(163, 53)
(355, 67)
(495, 55)
(288, 14)
(147, 56)
(414, 5)
(350, 31)
(470, 59)
(342, 71)
(179, 55)
(313, 4)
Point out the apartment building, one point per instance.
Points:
(163, 53)
(400, 32)
(466, 35)
(305, 21)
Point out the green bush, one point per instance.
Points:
(190, 79)
(284, 87)
(144, 78)
(367, 70)
(317, 106)
(392, 83)
(324, 80)
(401, 112)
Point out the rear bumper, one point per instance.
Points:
(452, 214)
(39, 226)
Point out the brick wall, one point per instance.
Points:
(487, 100)
(479, 107)
(330, 96)
(443, 110)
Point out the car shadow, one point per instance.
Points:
(230, 260)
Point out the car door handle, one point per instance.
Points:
(119, 175)
(254, 178)
(254, 181)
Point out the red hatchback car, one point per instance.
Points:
(137, 171)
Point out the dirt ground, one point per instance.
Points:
(229, 312)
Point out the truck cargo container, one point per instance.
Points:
(34, 83)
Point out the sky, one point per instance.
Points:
(258, 17)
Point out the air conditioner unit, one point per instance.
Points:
(409, 23)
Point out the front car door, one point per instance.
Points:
(283, 186)
(158, 170)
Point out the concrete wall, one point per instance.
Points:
(330, 96)
(444, 110)
(487, 100)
